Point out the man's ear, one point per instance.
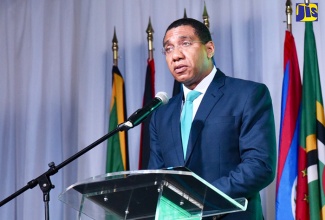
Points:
(210, 49)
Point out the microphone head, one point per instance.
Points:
(163, 97)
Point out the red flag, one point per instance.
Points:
(149, 94)
(289, 132)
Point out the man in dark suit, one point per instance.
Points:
(232, 137)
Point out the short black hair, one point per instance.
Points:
(199, 28)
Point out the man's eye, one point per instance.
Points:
(186, 43)
(168, 49)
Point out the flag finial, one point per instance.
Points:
(150, 32)
(289, 15)
(185, 15)
(115, 48)
(206, 17)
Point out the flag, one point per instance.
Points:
(149, 94)
(117, 149)
(289, 132)
(310, 188)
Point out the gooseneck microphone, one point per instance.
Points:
(139, 115)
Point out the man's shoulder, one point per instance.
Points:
(240, 83)
(241, 87)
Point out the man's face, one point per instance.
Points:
(188, 59)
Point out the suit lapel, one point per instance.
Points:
(210, 99)
(175, 111)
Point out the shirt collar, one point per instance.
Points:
(203, 85)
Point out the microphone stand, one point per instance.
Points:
(44, 180)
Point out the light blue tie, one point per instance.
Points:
(187, 117)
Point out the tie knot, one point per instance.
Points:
(192, 95)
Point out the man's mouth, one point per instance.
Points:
(180, 68)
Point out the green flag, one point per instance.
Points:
(310, 188)
(117, 149)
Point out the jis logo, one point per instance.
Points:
(306, 12)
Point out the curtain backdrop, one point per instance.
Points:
(55, 79)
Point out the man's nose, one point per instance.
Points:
(177, 53)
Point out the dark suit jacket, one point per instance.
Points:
(232, 141)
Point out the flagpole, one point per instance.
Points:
(150, 32)
(205, 17)
(115, 48)
(289, 15)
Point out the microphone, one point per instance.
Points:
(139, 115)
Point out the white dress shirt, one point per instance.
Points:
(202, 88)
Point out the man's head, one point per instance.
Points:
(189, 50)
(199, 28)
